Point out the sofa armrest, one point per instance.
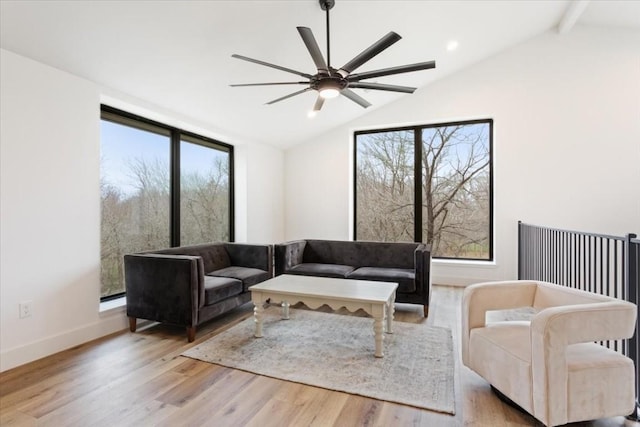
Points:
(422, 265)
(553, 330)
(164, 288)
(288, 255)
(580, 323)
(251, 256)
(482, 297)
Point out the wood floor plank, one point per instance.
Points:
(399, 415)
(113, 402)
(150, 414)
(192, 367)
(32, 373)
(193, 386)
(362, 409)
(233, 383)
(243, 396)
(284, 406)
(320, 407)
(17, 418)
(76, 380)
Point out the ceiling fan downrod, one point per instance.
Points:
(327, 5)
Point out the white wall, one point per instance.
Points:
(50, 205)
(265, 207)
(566, 112)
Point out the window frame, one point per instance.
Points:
(417, 206)
(176, 135)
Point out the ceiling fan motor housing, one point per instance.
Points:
(328, 81)
(327, 4)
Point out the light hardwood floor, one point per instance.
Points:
(140, 379)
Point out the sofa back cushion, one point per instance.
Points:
(214, 255)
(360, 253)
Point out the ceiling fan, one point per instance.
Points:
(331, 82)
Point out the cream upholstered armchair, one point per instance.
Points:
(550, 366)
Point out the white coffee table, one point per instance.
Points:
(375, 298)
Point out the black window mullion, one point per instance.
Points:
(175, 188)
(417, 183)
(491, 248)
(355, 191)
(232, 237)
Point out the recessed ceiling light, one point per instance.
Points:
(311, 114)
(452, 45)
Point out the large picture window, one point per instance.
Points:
(159, 187)
(429, 184)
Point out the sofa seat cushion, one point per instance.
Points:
(404, 277)
(502, 355)
(217, 289)
(589, 364)
(248, 276)
(322, 270)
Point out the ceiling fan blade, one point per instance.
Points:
(266, 64)
(369, 53)
(355, 98)
(313, 48)
(379, 86)
(268, 84)
(318, 105)
(393, 70)
(288, 96)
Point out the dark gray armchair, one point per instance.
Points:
(189, 285)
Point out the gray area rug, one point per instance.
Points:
(335, 352)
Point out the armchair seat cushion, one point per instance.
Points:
(248, 276)
(502, 352)
(593, 356)
(322, 270)
(589, 364)
(220, 288)
(403, 276)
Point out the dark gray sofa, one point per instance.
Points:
(189, 285)
(408, 264)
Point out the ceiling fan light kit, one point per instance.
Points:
(331, 82)
(329, 89)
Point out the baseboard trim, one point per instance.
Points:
(30, 352)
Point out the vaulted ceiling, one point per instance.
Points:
(177, 54)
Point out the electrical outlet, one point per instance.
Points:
(26, 308)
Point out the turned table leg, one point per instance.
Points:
(378, 311)
(377, 330)
(257, 318)
(285, 310)
(390, 310)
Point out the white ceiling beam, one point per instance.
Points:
(571, 15)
